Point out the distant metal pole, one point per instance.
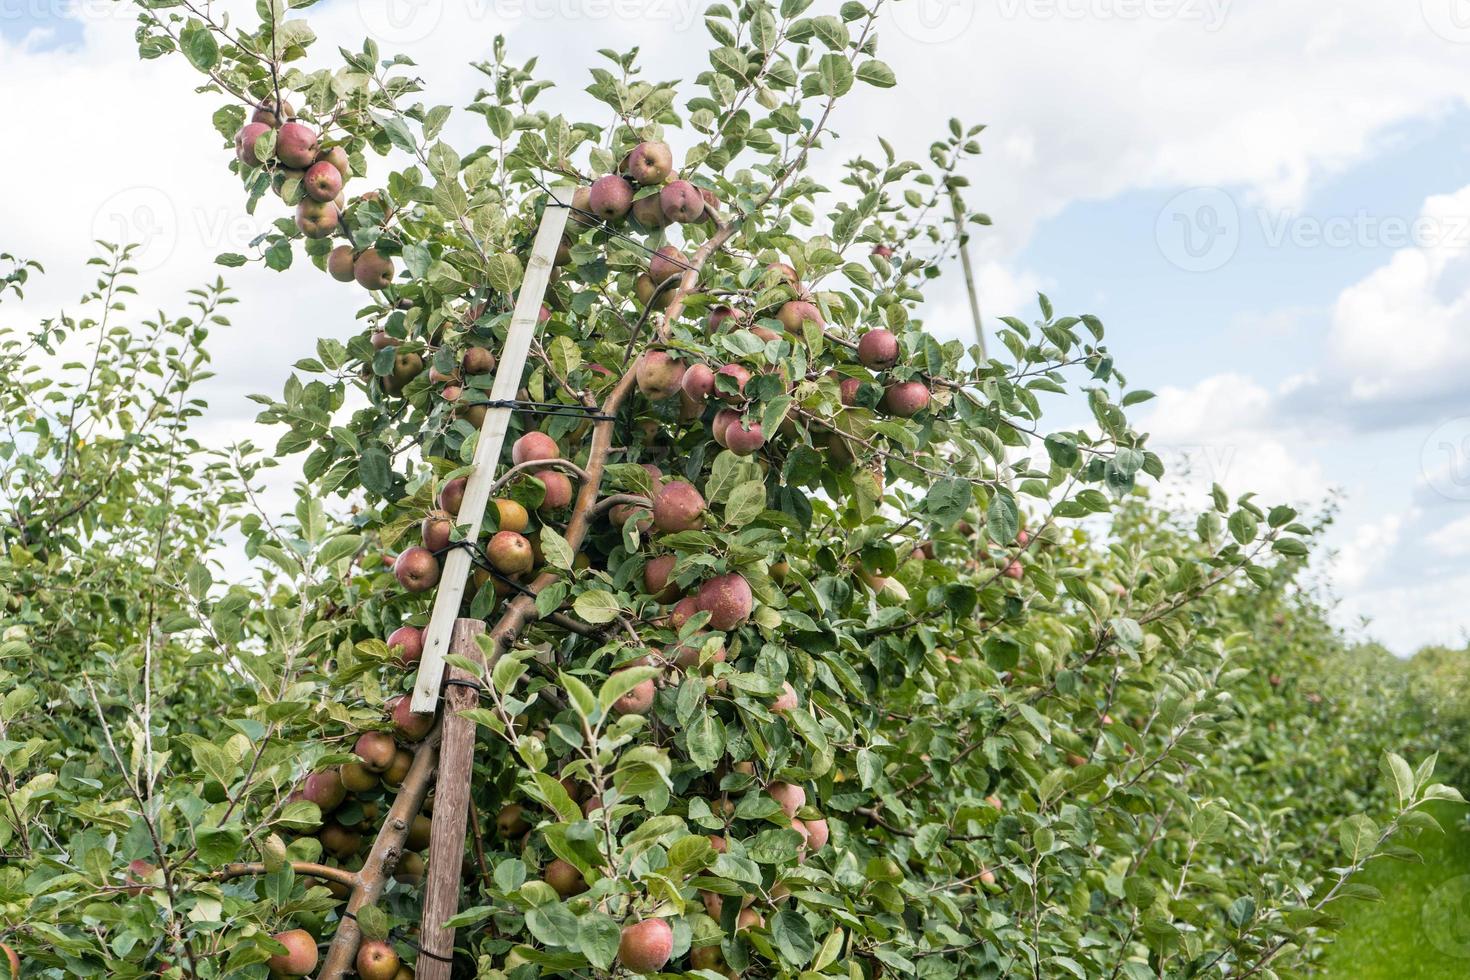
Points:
(970, 290)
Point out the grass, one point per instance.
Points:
(1421, 929)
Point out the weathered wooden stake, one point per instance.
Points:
(523, 323)
(451, 806)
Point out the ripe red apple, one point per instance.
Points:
(646, 946)
(785, 273)
(407, 724)
(533, 446)
(787, 700)
(337, 157)
(906, 399)
(681, 201)
(688, 653)
(323, 181)
(638, 701)
(340, 262)
(720, 315)
(138, 873)
(245, 143)
(270, 112)
(659, 375)
(435, 529)
(558, 491)
(698, 382)
(317, 219)
(650, 163)
(510, 553)
(510, 822)
(649, 212)
(883, 251)
(451, 495)
(749, 919)
(742, 439)
(610, 198)
(376, 960)
(300, 956)
(666, 263)
(817, 834)
(477, 360)
(847, 390)
(657, 575)
(878, 349)
(340, 842)
(11, 960)
(1013, 570)
(582, 206)
(420, 832)
(796, 312)
(728, 600)
(373, 270)
(409, 643)
(296, 145)
(416, 569)
(721, 423)
(741, 376)
(564, 877)
(678, 507)
(789, 796)
(325, 789)
(683, 611)
(376, 750)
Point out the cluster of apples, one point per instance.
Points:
(312, 176)
(376, 959)
(509, 551)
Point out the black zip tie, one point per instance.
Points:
(481, 560)
(424, 952)
(546, 408)
(405, 940)
(470, 683)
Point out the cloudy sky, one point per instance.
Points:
(1268, 203)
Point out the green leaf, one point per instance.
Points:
(558, 553)
(597, 938)
(793, 937)
(747, 502)
(1403, 777)
(1003, 518)
(876, 73)
(503, 272)
(220, 845)
(1358, 835)
(623, 681)
(597, 606)
(199, 46)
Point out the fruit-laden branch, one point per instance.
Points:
(245, 869)
(520, 613)
(383, 858)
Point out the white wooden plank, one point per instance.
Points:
(512, 362)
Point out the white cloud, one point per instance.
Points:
(1366, 550)
(1403, 328)
(1453, 539)
(1173, 100)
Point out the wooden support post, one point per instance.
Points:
(383, 858)
(523, 323)
(451, 807)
